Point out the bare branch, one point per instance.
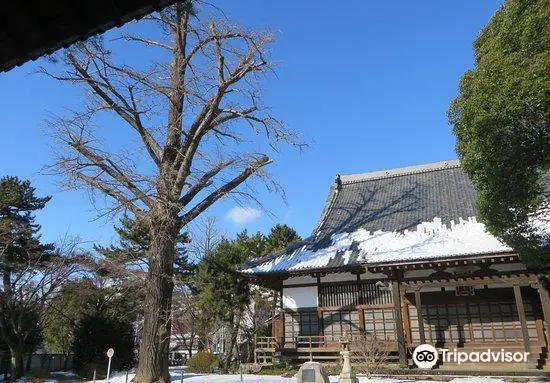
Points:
(222, 191)
(125, 202)
(151, 145)
(204, 181)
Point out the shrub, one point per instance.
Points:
(38, 374)
(203, 361)
(94, 335)
(370, 352)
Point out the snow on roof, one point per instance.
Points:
(430, 240)
(413, 213)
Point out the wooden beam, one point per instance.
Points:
(521, 279)
(420, 316)
(401, 347)
(545, 303)
(523, 322)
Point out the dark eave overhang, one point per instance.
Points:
(31, 29)
(274, 279)
(456, 260)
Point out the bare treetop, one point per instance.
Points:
(196, 116)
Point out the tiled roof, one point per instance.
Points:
(434, 203)
(399, 199)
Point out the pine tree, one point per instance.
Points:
(22, 255)
(225, 296)
(131, 251)
(279, 237)
(77, 318)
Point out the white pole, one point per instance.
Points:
(94, 376)
(109, 369)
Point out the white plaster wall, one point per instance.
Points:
(508, 266)
(377, 276)
(429, 289)
(299, 280)
(421, 273)
(299, 297)
(339, 277)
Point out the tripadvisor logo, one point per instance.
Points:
(425, 356)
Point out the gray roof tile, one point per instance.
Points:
(391, 201)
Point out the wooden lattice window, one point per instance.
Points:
(301, 324)
(380, 323)
(478, 319)
(336, 322)
(353, 294)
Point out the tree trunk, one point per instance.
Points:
(29, 361)
(233, 334)
(155, 337)
(17, 362)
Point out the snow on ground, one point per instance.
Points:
(63, 374)
(120, 377)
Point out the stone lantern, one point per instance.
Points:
(346, 376)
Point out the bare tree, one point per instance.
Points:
(370, 353)
(185, 320)
(198, 120)
(205, 237)
(25, 292)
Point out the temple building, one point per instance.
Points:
(400, 255)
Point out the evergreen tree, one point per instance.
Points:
(22, 256)
(80, 313)
(224, 296)
(501, 119)
(94, 335)
(131, 252)
(280, 237)
(19, 240)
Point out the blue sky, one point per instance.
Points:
(368, 84)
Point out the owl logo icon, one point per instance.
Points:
(425, 356)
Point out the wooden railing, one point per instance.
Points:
(262, 342)
(304, 347)
(308, 341)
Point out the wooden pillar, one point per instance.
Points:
(283, 330)
(320, 329)
(361, 320)
(396, 296)
(545, 304)
(523, 322)
(420, 316)
(406, 319)
(360, 310)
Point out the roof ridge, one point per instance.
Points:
(379, 174)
